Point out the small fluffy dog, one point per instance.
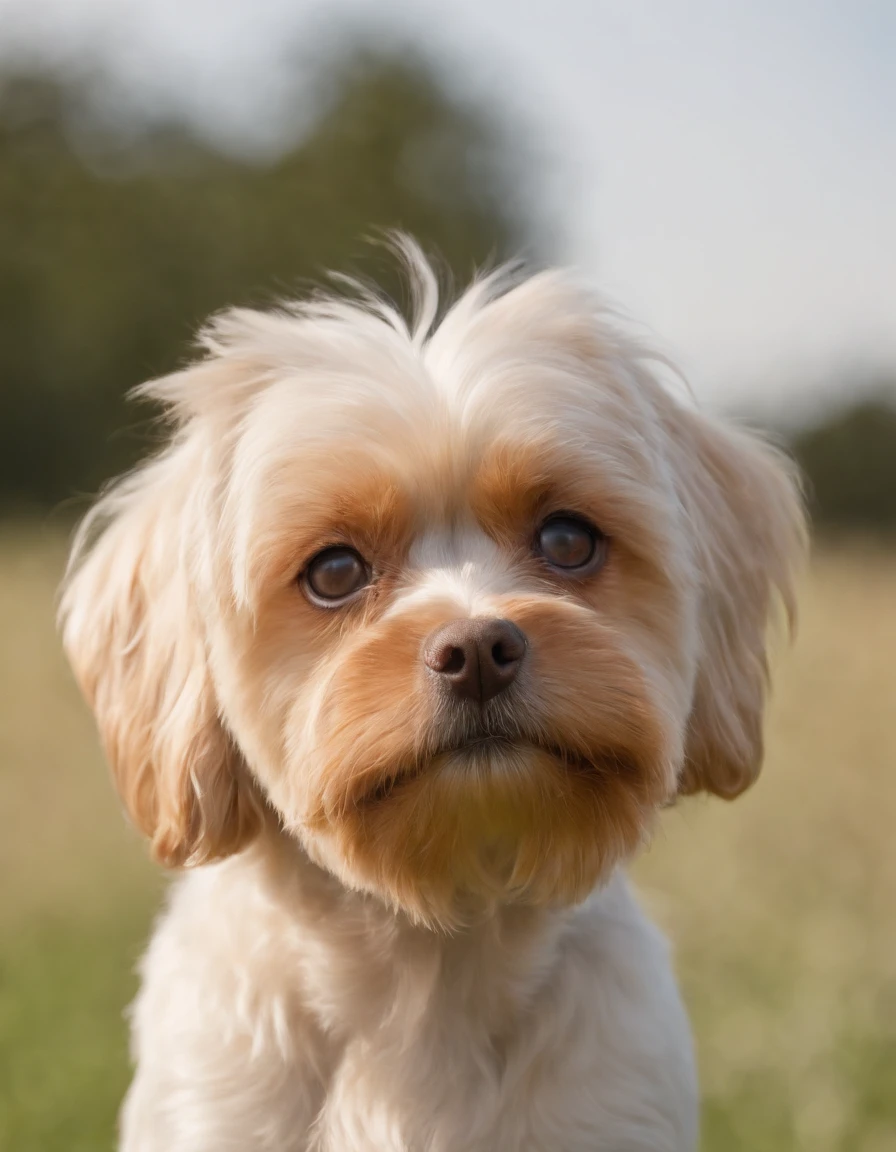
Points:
(398, 648)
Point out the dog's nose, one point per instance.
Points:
(476, 659)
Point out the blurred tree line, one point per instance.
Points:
(118, 239)
(849, 461)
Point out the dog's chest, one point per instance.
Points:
(470, 1061)
(448, 1082)
(331, 1042)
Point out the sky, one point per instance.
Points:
(726, 172)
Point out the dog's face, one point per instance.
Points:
(463, 610)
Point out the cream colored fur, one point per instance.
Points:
(386, 938)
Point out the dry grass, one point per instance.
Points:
(781, 905)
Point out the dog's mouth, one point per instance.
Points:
(490, 751)
(488, 747)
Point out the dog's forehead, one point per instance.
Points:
(449, 402)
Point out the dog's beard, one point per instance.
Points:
(491, 811)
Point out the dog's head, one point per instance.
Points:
(463, 605)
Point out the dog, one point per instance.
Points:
(397, 649)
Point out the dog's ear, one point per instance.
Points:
(134, 637)
(745, 515)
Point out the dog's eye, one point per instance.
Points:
(335, 574)
(571, 544)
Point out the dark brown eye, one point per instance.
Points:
(571, 544)
(335, 574)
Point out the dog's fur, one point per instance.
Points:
(410, 931)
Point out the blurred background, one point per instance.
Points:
(727, 173)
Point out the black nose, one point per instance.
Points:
(476, 659)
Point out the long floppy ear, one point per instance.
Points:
(133, 635)
(745, 513)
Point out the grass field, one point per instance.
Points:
(782, 906)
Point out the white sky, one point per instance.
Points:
(726, 171)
